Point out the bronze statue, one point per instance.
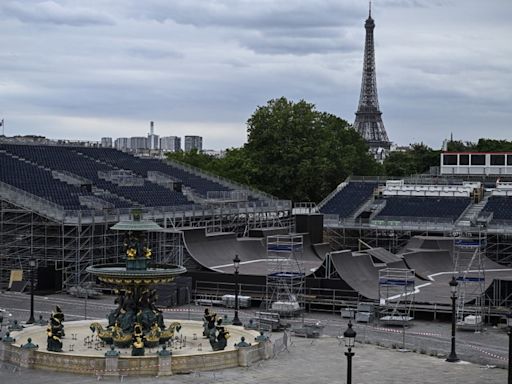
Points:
(54, 333)
(219, 337)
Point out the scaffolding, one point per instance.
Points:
(67, 242)
(285, 275)
(468, 254)
(396, 295)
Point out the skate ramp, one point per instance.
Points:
(358, 272)
(383, 255)
(418, 243)
(216, 252)
(321, 250)
(428, 262)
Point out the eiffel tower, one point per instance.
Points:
(368, 121)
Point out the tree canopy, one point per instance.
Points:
(293, 152)
(483, 145)
(418, 159)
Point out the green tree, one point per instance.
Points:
(298, 153)
(293, 152)
(194, 158)
(418, 159)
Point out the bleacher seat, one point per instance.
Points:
(424, 207)
(349, 199)
(501, 207)
(88, 162)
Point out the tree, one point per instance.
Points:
(194, 158)
(293, 152)
(418, 159)
(298, 153)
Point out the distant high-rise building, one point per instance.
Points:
(170, 143)
(122, 143)
(153, 142)
(368, 116)
(138, 143)
(106, 142)
(193, 142)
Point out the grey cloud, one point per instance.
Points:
(154, 53)
(251, 14)
(50, 12)
(296, 45)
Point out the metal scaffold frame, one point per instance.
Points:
(75, 241)
(396, 295)
(285, 274)
(468, 253)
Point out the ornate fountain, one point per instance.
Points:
(136, 321)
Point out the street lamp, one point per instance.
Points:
(350, 338)
(509, 324)
(236, 264)
(452, 357)
(32, 264)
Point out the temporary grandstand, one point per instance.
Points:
(57, 204)
(392, 214)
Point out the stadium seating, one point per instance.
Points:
(141, 167)
(88, 162)
(424, 207)
(349, 199)
(501, 207)
(39, 182)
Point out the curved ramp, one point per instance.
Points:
(383, 255)
(437, 243)
(426, 263)
(216, 252)
(359, 272)
(321, 250)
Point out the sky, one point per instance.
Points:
(87, 69)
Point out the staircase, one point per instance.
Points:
(470, 215)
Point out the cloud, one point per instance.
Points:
(203, 66)
(50, 12)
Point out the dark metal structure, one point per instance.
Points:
(368, 116)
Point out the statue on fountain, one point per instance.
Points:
(54, 333)
(136, 320)
(219, 337)
(209, 323)
(138, 341)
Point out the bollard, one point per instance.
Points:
(244, 349)
(164, 362)
(112, 362)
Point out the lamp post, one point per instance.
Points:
(509, 324)
(452, 357)
(236, 264)
(32, 264)
(350, 337)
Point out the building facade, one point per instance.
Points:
(106, 142)
(170, 143)
(193, 142)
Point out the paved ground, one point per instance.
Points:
(309, 361)
(318, 361)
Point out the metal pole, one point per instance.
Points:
(31, 319)
(452, 358)
(349, 355)
(236, 320)
(85, 305)
(509, 355)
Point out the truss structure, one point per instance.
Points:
(470, 274)
(396, 295)
(285, 274)
(69, 242)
